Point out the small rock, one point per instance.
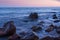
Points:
(36, 28)
(33, 16)
(40, 23)
(54, 16)
(57, 21)
(51, 28)
(58, 30)
(47, 38)
(14, 37)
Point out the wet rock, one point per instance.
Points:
(14, 37)
(47, 38)
(54, 16)
(57, 38)
(33, 16)
(22, 34)
(9, 28)
(51, 28)
(56, 21)
(58, 30)
(31, 36)
(40, 23)
(2, 34)
(36, 28)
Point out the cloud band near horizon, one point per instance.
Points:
(33, 3)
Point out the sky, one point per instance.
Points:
(30, 3)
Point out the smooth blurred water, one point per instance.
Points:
(20, 14)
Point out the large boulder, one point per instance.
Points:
(14, 37)
(8, 29)
(33, 16)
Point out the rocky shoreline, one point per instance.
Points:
(9, 30)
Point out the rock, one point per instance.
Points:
(36, 28)
(14, 37)
(2, 34)
(58, 30)
(54, 16)
(57, 38)
(56, 21)
(9, 28)
(31, 36)
(51, 28)
(22, 34)
(47, 38)
(33, 16)
(40, 23)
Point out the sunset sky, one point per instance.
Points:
(30, 3)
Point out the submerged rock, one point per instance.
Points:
(58, 30)
(54, 16)
(51, 28)
(14, 37)
(36, 28)
(47, 38)
(33, 16)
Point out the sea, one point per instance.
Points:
(20, 15)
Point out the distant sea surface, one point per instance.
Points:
(19, 14)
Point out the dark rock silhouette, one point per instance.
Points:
(56, 21)
(14, 37)
(58, 30)
(57, 38)
(36, 28)
(51, 28)
(47, 38)
(8, 29)
(54, 16)
(33, 15)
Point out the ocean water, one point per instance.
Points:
(20, 14)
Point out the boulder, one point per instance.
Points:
(33, 16)
(54, 16)
(36, 28)
(8, 29)
(14, 37)
(58, 30)
(51, 28)
(47, 38)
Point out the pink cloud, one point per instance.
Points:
(29, 3)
